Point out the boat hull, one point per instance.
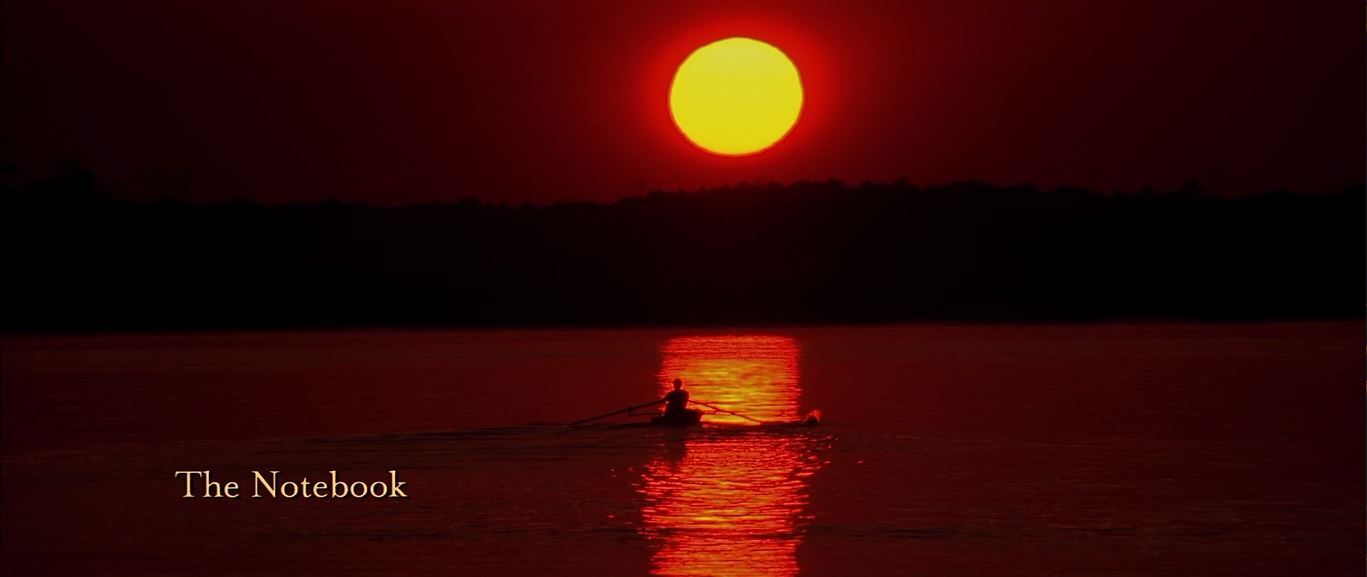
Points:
(688, 418)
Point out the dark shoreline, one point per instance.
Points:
(719, 327)
(810, 253)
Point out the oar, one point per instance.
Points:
(617, 412)
(721, 410)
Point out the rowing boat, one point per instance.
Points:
(693, 417)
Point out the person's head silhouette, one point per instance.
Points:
(678, 384)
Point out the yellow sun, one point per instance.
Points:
(736, 96)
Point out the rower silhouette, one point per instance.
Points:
(677, 413)
(676, 401)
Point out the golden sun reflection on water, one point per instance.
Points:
(731, 502)
(753, 375)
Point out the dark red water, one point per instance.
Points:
(1186, 449)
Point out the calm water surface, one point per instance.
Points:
(1188, 449)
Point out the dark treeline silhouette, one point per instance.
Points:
(814, 252)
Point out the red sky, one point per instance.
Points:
(416, 100)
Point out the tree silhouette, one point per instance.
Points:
(809, 252)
